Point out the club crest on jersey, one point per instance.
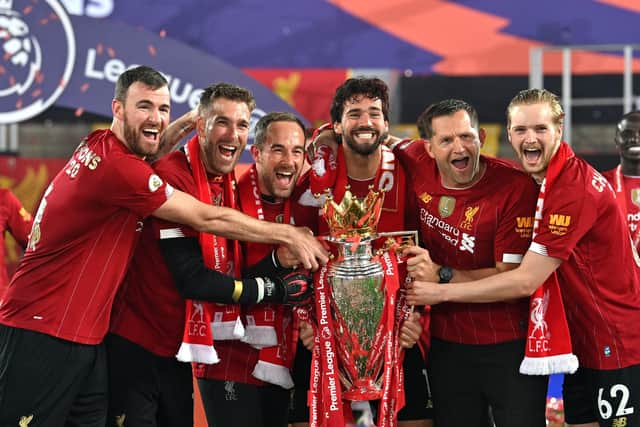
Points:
(635, 196)
(425, 197)
(469, 214)
(446, 206)
(154, 182)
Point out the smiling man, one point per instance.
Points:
(173, 262)
(56, 312)
(625, 178)
(255, 371)
(475, 221)
(360, 120)
(580, 236)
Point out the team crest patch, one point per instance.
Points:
(154, 182)
(469, 214)
(446, 206)
(635, 196)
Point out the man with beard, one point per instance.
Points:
(625, 178)
(254, 371)
(148, 386)
(55, 314)
(475, 221)
(359, 116)
(582, 255)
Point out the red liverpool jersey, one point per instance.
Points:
(16, 220)
(238, 359)
(83, 236)
(149, 310)
(627, 190)
(474, 228)
(599, 278)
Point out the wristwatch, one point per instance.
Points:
(445, 274)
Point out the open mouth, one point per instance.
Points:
(284, 177)
(532, 155)
(227, 150)
(460, 163)
(365, 134)
(151, 133)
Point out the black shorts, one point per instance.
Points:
(416, 388)
(610, 397)
(467, 380)
(146, 389)
(230, 403)
(46, 381)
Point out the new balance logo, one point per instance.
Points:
(468, 243)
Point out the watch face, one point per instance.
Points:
(445, 274)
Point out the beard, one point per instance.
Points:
(132, 139)
(364, 149)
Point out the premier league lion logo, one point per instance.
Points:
(21, 55)
(38, 53)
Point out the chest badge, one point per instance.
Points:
(469, 214)
(635, 196)
(446, 206)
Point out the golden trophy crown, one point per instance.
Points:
(354, 217)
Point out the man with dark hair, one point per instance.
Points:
(585, 261)
(254, 371)
(625, 178)
(359, 115)
(148, 386)
(475, 221)
(56, 311)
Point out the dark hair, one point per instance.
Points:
(228, 91)
(372, 88)
(142, 74)
(445, 107)
(277, 116)
(631, 116)
(537, 96)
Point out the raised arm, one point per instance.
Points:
(176, 132)
(230, 223)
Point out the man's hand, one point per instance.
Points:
(306, 335)
(410, 330)
(306, 248)
(425, 293)
(420, 266)
(285, 258)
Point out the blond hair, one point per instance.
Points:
(537, 96)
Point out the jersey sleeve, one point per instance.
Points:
(19, 221)
(132, 184)
(515, 224)
(410, 153)
(568, 213)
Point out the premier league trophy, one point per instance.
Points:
(365, 309)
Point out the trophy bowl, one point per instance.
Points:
(357, 301)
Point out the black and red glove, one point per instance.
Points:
(294, 288)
